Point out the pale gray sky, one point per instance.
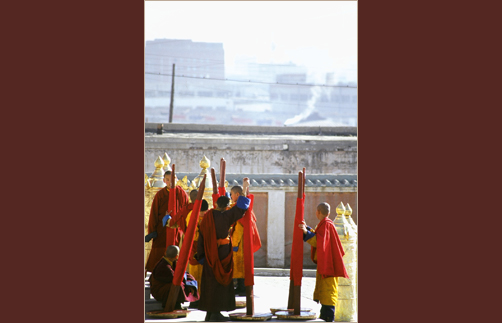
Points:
(321, 35)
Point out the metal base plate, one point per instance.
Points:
(168, 315)
(240, 304)
(277, 309)
(288, 315)
(255, 317)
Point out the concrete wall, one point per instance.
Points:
(260, 208)
(252, 153)
(265, 151)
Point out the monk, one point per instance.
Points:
(156, 230)
(178, 221)
(327, 253)
(214, 251)
(237, 233)
(194, 268)
(161, 280)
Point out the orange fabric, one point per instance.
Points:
(220, 242)
(222, 269)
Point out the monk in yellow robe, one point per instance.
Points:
(327, 253)
(194, 267)
(237, 234)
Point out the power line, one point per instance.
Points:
(321, 104)
(286, 65)
(253, 82)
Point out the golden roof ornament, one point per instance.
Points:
(204, 164)
(183, 183)
(341, 224)
(348, 209)
(157, 178)
(167, 161)
(348, 213)
(147, 181)
(340, 209)
(346, 311)
(208, 191)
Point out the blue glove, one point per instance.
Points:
(235, 248)
(309, 235)
(201, 260)
(151, 236)
(192, 283)
(243, 202)
(165, 219)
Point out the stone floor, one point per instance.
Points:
(269, 292)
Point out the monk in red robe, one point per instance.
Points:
(327, 253)
(214, 251)
(156, 229)
(161, 280)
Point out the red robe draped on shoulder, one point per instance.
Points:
(255, 233)
(222, 269)
(329, 250)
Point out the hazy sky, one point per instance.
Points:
(321, 35)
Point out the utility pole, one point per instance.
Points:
(172, 99)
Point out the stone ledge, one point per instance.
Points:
(238, 129)
(281, 272)
(271, 272)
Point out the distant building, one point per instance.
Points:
(260, 94)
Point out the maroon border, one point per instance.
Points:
(80, 114)
(414, 164)
(80, 131)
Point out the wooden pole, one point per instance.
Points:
(171, 106)
(172, 208)
(249, 256)
(221, 187)
(215, 188)
(297, 253)
(185, 251)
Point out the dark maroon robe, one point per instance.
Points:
(215, 297)
(161, 281)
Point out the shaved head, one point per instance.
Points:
(237, 189)
(193, 195)
(172, 252)
(323, 208)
